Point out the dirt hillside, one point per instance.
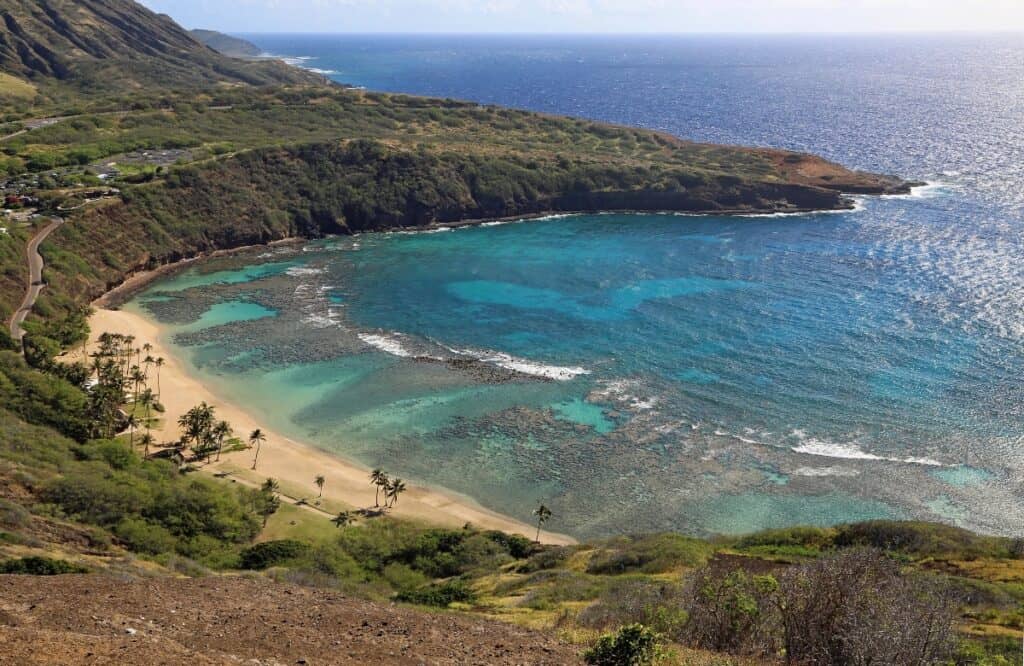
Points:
(96, 619)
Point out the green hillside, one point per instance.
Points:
(155, 148)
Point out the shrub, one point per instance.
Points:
(549, 557)
(733, 612)
(656, 604)
(921, 540)
(633, 645)
(851, 608)
(515, 545)
(812, 539)
(143, 537)
(402, 577)
(856, 608)
(656, 553)
(13, 515)
(40, 566)
(440, 595)
(271, 553)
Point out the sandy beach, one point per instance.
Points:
(293, 463)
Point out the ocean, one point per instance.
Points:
(699, 374)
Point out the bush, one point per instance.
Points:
(856, 608)
(515, 545)
(733, 612)
(439, 595)
(271, 553)
(656, 553)
(656, 604)
(803, 540)
(143, 537)
(549, 557)
(633, 645)
(40, 566)
(921, 540)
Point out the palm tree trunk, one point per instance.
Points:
(257, 456)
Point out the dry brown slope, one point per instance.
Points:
(97, 619)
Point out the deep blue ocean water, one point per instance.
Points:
(708, 374)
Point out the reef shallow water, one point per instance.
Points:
(704, 374)
(643, 372)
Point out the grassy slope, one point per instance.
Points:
(98, 47)
(430, 160)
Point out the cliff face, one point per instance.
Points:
(270, 194)
(117, 45)
(226, 44)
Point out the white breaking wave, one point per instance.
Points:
(626, 391)
(931, 189)
(304, 271)
(815, 447)
(389, 345)
(825, 471)
(524, 366)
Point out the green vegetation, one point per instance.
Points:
(40, 566)
(633, 645)
(215, 153)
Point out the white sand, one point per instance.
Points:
(293, 463)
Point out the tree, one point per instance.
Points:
(379, 479)
(256, 438)
(267, 500)
(132, 423)
(159, 363)
(146, 441)
(394, 489)
(543, 515)
(320, 481)
(137, 379)
(221, 431)
(146, 399)
(343, 519)
(197, 424)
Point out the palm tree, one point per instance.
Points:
(343, 519)
(146, 400)
(395, 488)
(269, 502)
(379, 479)
(137, 379)
(320, 481)
(221, 431)
(543, 515)
(159, 363)
(132, 424)
(146, 440)
(256, 438)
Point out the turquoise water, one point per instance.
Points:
(636, 373)
(624, 368)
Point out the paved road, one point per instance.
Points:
(35, 280)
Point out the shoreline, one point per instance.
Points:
(137, 280)
(292, 463)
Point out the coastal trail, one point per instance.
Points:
(35, 277)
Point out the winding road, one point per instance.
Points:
(35, 277)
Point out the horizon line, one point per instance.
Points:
(753, 33)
